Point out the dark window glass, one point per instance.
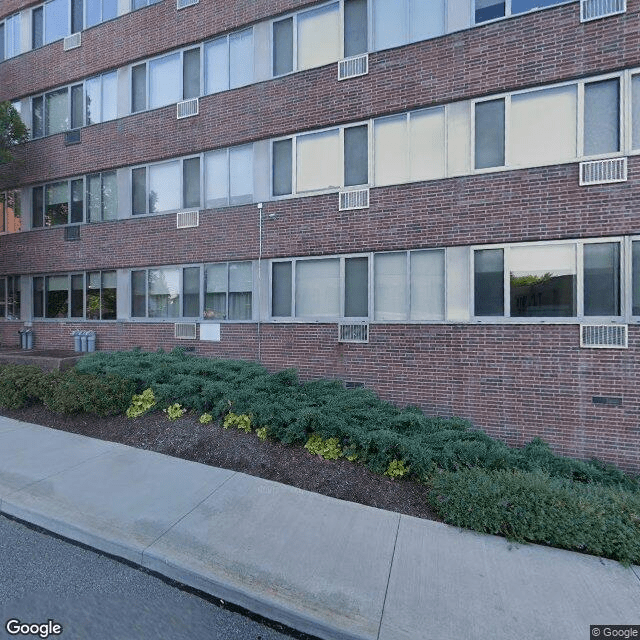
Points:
(602, 279)
(93, 296)
(488, 10)
(138, 294)
(521, 6)
(191, 292)
(13, 298)
(109, 300)
(191, 182)
(37, 117)
(283, 46)
(37, 31)
(355, 27)
(139, 88)
(109, 9)
(489, 137)
(57, 297)
(356, 287)
(77, 197)
(77, 295)
(356, 155)
(635, 285)
(139, 190)
(94, 12)
(191, 74)
(281, 290)
(38, 297)
(282, 150)
(1, 41)
(489, 282)
(76, 16)
(601, 117)
(56, 204)
(76, 107)
(37, 206)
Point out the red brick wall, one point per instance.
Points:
(515, 382)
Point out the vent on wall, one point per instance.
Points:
(181, 4)
(594, 9)
(186, 219)
(355, 199)
(604, 336)
(353, 332)
(188, 108)
(73, 41)
(603, 171)
(186, 330)
(72, 233)
(353, 67)
(72, 137)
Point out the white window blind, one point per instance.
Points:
(318, 288)
(427, 285)
(164, 187)
(318, 161)
(319, 36)
(426, 144)
(390, 291)
(216, 178)
(165, 85)
(390, 148)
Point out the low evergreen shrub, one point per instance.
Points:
(20, 385)
(535, 507)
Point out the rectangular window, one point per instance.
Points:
(38, 297)
(191, 182)
(77, 296)
(635, 278)
(10, 212)
(77, 115)
(356, 287)
(3, 297)
(57, 296)
(100, 11)
(355, 28)
(489, 134)
(13, 298)
(77, 200)
(56, 204)
(318, 161)
(489, 282)
(601, 117)
(601, 279)
(164, 81)
(489, 10)
(37, 207)
(282, 167)
(389, 23)
(191, 74)
(164, 187)
(426, 144)
(318, 288)
(543, 281)
(216, 178)
(241, 174)
(427, 285)
(164, 293)
(229, 291)
(139, 88)
(241, 58)
(37, 28)
(56, 20)
(216, 56)
(282, 46)
(57, 111)
(543, 126)
(390, 286)
(2, 42)
(356, 155)
(101, 295)
(281, 289)
(76, 16)
(390, 150)
(101, 98)
(37, 117)
(318, 36)
(138, 294)
(139, 191)
(12, 36)
(102, 197)
(191, 292)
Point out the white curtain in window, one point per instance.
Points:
(240, 288)
(216, 167)
(543, 127)
(319, 36)
(109, 96)
(241, 174)
(390, 150)
(93, 102)
(165, 81)
(426, 19)
(318, 288)
(389, 23)
(427, 285)
(57, 110)
(216, 72)
(538, 260)
(426, 144)
(164, 187)
(241, 58)
(318, 161)
(390, 286)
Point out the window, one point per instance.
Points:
(410, 147)
(356, 39)
(397, 22)
(58, 203)
(320, 288)
(409, 285)
(491, 9)
(229, 62)
(56, 20)
(101, 98)
(489, 134)
(635, 278)
(77, 19)
(635, 112)
(228, 176)
(10, 37)
(166, 186)
(102, 196)
(313, 161)
(100, 10)
(56, 111)
(544, 280)
(10, 212)
(101, 295)
(139, 87)
(37, 27)
(139, 4)
(165, 81)
(602, 117)
(191, 74)
(10, 297)
(310, 38)
(228, 291)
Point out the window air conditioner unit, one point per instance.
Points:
(72, 233)
(186, 219)
(354, 199)
(72, 137)
(73, 41)
(603, 171)
(353, 67)
(594, 9)
(353, 332)
(187, 108)
(181, 4)
(186, 330)
(604, 336)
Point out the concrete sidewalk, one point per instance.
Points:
(324, 566)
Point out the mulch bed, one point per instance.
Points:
(233, 449)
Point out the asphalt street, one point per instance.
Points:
(91, 595)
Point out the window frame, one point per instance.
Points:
(45, 292)
(509, 14)
(203, 295)
(5, 284)
(44, 186)
(203, 62)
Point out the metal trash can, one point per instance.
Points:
(77, 345)
(91, 341)
(83, 340)
(29, 338)
(23, 338)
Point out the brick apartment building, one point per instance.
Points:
(437, 199)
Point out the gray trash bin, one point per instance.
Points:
(83, 340)
(91, 341)
(29, 338)
(77, 344)
(22, 338)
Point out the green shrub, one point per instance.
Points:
(206, 418)
(71, 392)
(141, 403)
(328, 449)
(174, 411)
(262, 433)
(20, 385)
(242, 422)
(397, 469)
(534, 507)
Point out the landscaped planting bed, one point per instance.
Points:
(237, 415)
